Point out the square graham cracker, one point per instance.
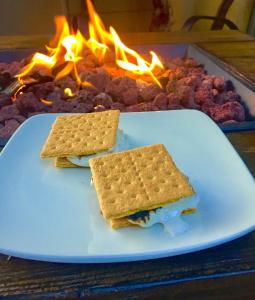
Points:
(139, 179)
(82, 134)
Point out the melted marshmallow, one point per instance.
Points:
(169, 215)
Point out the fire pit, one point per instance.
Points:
(77, 75)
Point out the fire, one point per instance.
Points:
(69, 92)
(66, 49)
(46, 102)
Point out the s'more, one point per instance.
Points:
(74, 139)
(142, 187)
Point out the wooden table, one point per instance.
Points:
(222, 272)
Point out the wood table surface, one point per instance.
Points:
(223, 272)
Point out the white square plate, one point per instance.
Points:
(52, 214)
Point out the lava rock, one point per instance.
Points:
(171, 86)
(161, 101)
(5, 100)
(99, 108)
(83, 108)
(28, 102)
(203, 95)
(19, 118)
(9, 128)
(63, 106)
(147, 91)
(174, 102)
(219, 83)
(98, 77)
(5, 80)
(232, 110)
(227, 97)
(42, 90)
(118, 105)
(123, 89)
(7, 112)
(104, 99)
(67, 82)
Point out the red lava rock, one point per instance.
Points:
(99, 108)
(199, 71)
(147, 91)
(207, 83)
(86, 96)
(118, 105)
(14, 68)
(62, 106)
(187, 97)
(188, 81)
(228, 111)
(163, 81)
(89, 61)
(5, 80)
(133, 108)
(180, 72)
(7, 112)
(161, 101)
(42, 90)
(184, 92)
(67, 82)
(215, 92)
(9, 128)
(27, 102)
(171, 75)
(171, 86)
(55, 95)
(104, 99)
(226, 97)
(148, 106)
(145, 106)
(19, 118)
(123, 89)
(203, 95)
(207, 106)
(185, 85)
(83, 108)
(5, 100)
(98, 77)
(219, 83)
(174, 102)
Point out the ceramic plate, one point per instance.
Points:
(52, 214)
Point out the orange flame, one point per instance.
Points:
(65, 50)
(69, 92)
(46, 102)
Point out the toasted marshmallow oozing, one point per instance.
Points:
(121, 145)
(169, 215)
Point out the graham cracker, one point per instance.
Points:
(120, 223)
(140, 179)
(62, 162)
(82, 134)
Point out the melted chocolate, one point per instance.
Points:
(141, 215)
